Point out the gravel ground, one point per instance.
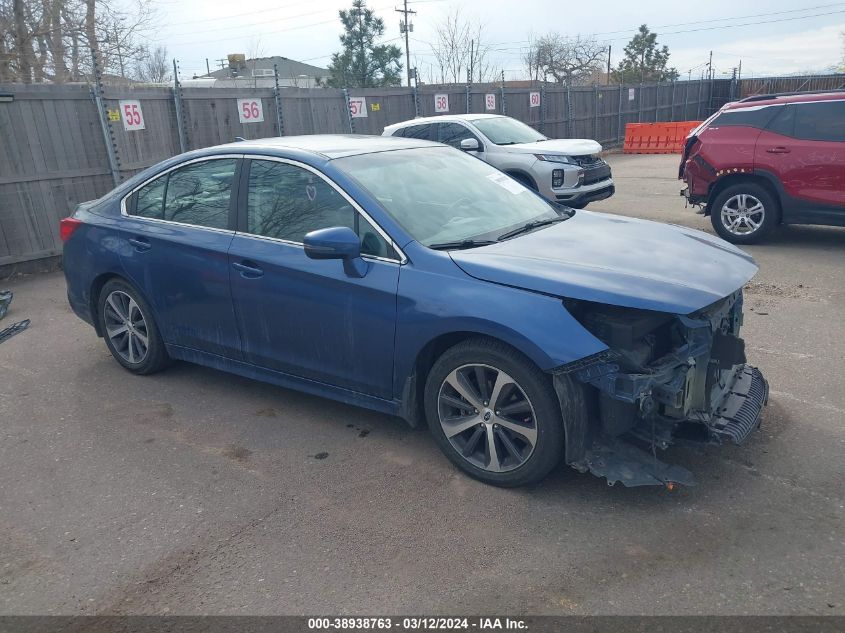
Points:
(194, 491)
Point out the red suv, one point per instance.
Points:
(767, 160)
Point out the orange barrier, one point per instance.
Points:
(657, 138)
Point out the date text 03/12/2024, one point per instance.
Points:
(416, 623)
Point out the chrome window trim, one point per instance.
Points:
(403, 259)
(126, 214)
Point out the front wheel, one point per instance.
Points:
(744, 213)
(494, 413)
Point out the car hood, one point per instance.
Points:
(615, 260)
(567, 147)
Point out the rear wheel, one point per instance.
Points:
(494, 413)
(128, 327)
(744, 213)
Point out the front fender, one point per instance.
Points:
(444, 300)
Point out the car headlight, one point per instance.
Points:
(553, 158)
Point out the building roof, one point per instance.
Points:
(287, 68)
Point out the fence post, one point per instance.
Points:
(543, 107)
(416, 101)
(177, 101)
(277, 96)
(504, 102)
(686, 100)
(657, 102)
(469, 101)
(640, 104)
(673, 101)
(108, 135)
(348, 111)
(698, 110)
(619, 136)
(568, 112)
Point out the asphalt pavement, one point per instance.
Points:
(198, 492)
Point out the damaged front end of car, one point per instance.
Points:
(664, 379)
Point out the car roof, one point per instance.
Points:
(777, 99)
(322, 145)
(443, 117)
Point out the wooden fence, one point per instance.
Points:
(59, 148)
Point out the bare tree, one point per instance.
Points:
(460, 50)
(152, 66)
(52, 40)
(569, 61)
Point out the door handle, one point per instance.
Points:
(140, 244)
(247, 271)
(778, 150)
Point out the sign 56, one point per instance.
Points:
(250, 111)
(441, 103)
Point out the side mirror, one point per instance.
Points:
(337, 242)
(470, 145)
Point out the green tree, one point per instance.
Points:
(644, 61)
(362, 63)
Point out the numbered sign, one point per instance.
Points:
(358, 107)
(632, 92)
(250, 111)
(441, 103)
(534, 99)
(133, 117)
(490, 101)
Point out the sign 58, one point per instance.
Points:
(441, 103)
(250, 111)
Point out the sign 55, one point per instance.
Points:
(133, 117)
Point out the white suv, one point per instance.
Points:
(569, 171)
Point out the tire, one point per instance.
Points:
(127, 320)
(744, 213)
(528, 440)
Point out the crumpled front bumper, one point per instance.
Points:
(700, 391)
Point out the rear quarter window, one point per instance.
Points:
(745, 117)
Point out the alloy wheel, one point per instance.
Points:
(487, 417)
(742, 214)
(126, 327)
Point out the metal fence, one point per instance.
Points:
(63, 144)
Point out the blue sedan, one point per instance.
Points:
(413, 279)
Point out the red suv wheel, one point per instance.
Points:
(744, 213)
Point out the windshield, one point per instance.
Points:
(503, 130)
(439, 194)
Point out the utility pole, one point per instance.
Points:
(607, 79)
(207, 67)
(405, 26)
(710, 66)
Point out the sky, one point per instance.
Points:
(769, 38)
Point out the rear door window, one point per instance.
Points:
(820, 121)
(200, 194)
(422, 131)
